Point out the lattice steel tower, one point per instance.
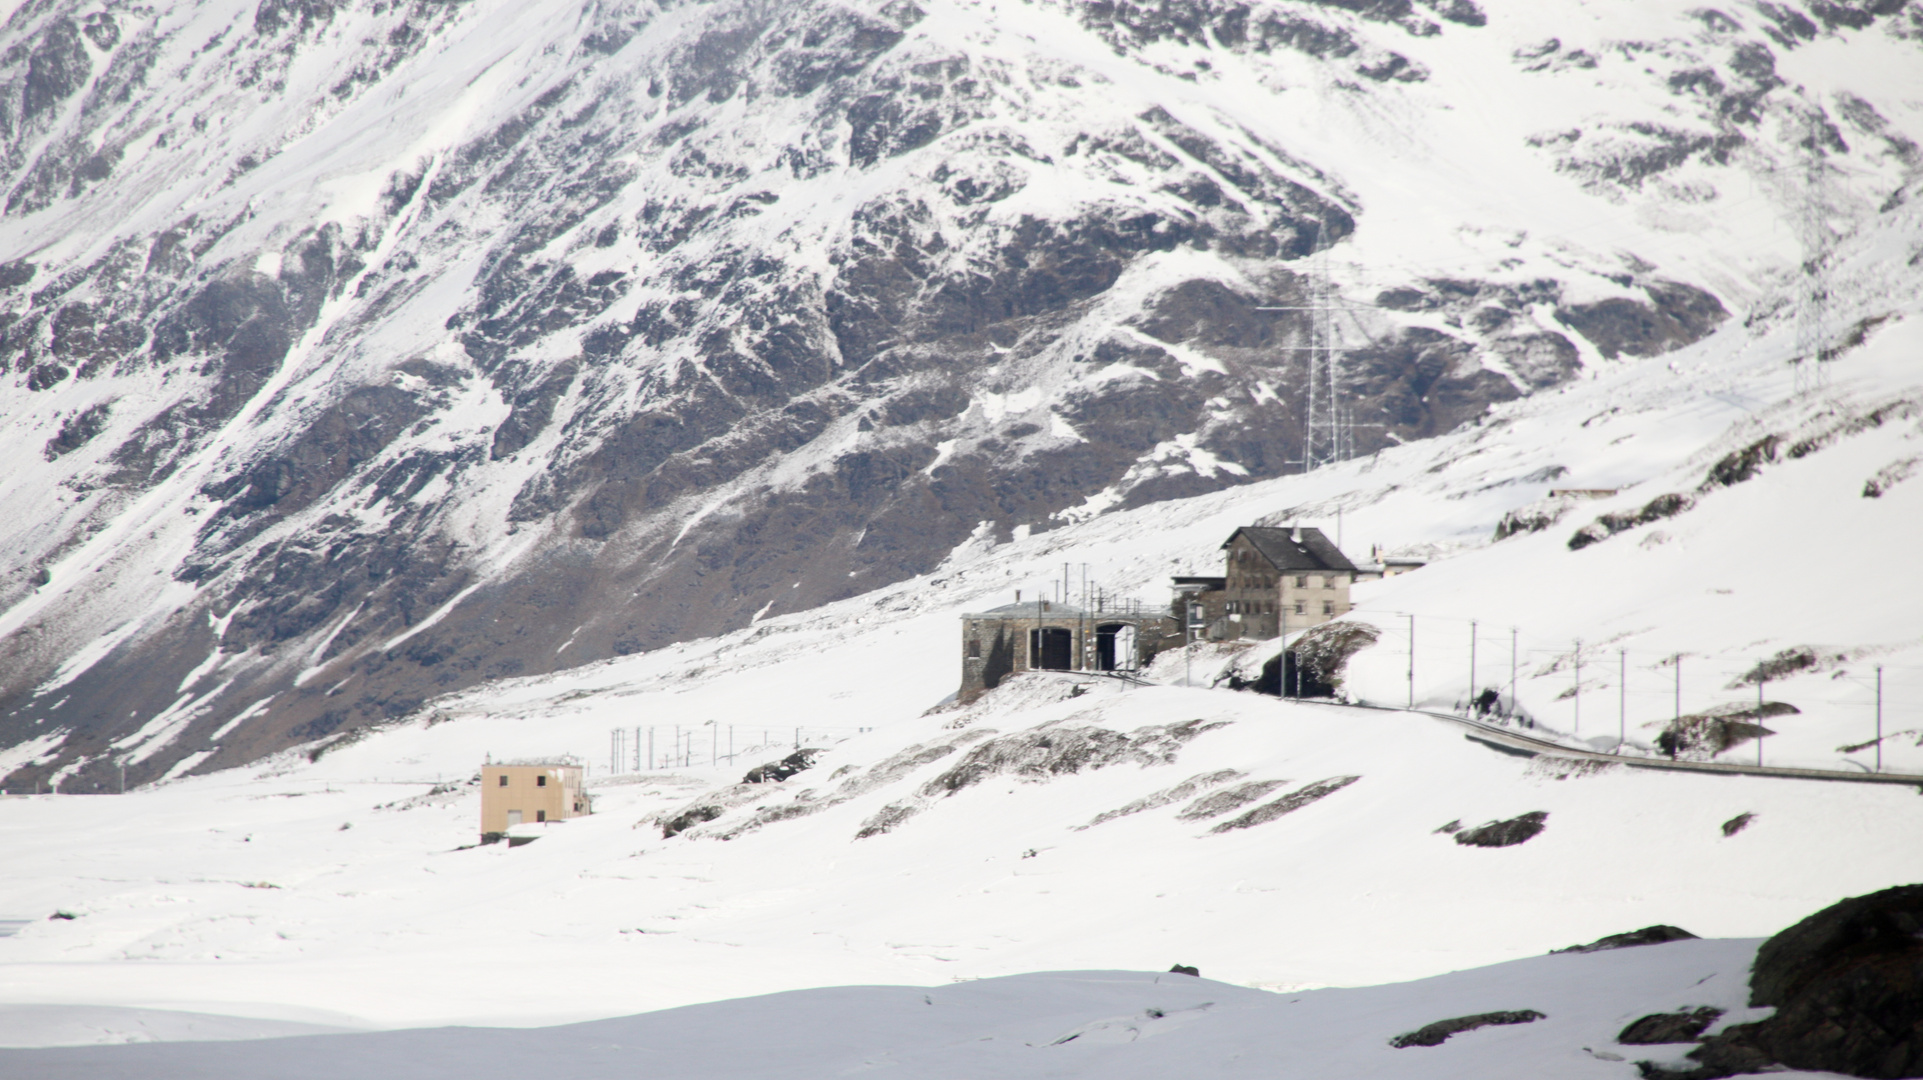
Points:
(1812, 296)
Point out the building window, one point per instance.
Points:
(540, 781)
(503, 780)
(1300, 608)
(1328, 607)
(540, 815)
(1301, 582)
(974, 648)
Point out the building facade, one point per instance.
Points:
(1281, 580)
(522, 792)
(1042, 635)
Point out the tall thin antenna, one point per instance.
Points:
(1812, 298)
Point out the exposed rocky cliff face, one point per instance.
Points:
(357, 351)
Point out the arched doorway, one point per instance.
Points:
(1114, 646)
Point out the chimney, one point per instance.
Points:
(1018, 596)
(1295, 534)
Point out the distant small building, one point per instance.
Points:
(1042, 635)
(537, 789)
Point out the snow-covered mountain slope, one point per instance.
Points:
(358, 352)
(1081, 1024)
(1277, 845)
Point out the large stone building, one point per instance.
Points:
(1042, 635)
(518, 792)
(1280, 580)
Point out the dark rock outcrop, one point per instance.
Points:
(1287, 804)
(1648, 935)
(1437, 1033)
(1508, 833)
(1673, 1027)
(1184, 969)
(776, 771)
(1847, 986)
(1704, 735)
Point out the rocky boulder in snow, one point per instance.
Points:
(1507, 833)
(1648, 935)
(1847, 986)
(1437, 1033)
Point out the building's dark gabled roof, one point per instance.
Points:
(1212, 584)
(1313, 552)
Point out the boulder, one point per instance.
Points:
(1437, 1033)
(1847, 986)
(1648, 935)
(1684, 1026)
(1505, 833)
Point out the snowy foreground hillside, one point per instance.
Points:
(1077, 824)
(1114, 1025)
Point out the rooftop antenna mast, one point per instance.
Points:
(1812, 298)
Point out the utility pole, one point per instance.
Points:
(1512, 671)
(1760, 683)
(1472, 666)
(1879, 718)
(1578, 725)
(1412, 661)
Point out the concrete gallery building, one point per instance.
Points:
(1043, 635)
(537, 789)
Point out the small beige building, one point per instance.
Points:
(533, 790)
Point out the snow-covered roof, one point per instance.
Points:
(1029, 609)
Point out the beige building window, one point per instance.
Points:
(1302, 582)
(1328, 607)
(1300, 608)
